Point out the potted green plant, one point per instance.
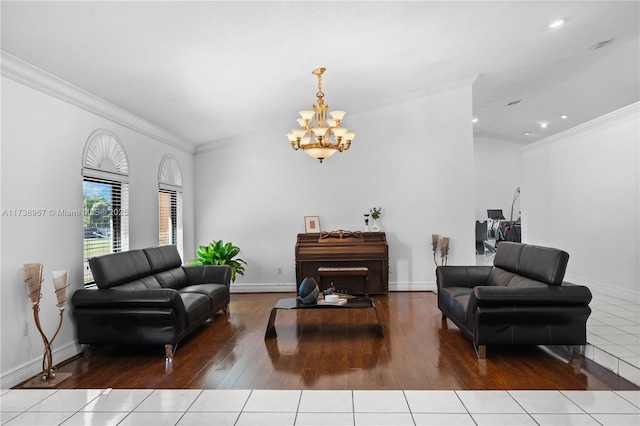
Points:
(219, 253)
(375, 215)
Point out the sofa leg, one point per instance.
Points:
(168, 352)
(575, 353)
(481, 350)
(225, 309)
(444, 317)
(86, 351)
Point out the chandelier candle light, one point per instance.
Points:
(32, 273)
(320, 136)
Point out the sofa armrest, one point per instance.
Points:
(530, 296)
(128, 299)
(208, 274)
(462, 276)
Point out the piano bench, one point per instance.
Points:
(346, 272)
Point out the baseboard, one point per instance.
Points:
(291, 287)
(606, 289)
(412, 286)
(34, 367)
(263, 288)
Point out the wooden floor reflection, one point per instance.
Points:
(337, 350)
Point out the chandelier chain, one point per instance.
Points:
(320, 93)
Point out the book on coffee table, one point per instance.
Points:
(339, 302)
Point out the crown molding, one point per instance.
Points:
(31, 76)
(499, 138)
(412, 96)
(602, 121)
(358, 110)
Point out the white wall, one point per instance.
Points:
(496, 176)
(581, 193)
(42, 144)
(414, 159)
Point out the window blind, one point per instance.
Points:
(106, 219)
(167, 217)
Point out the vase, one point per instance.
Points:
(375, 227)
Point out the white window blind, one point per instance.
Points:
(106, 219)
(167, 217)
(170, 202)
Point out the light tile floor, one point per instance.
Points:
(613, 336)
(613, 332)
(317, 407)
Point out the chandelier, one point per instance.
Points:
(320, 136)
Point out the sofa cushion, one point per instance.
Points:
(117, 268)
(543, 264)
(172, 278)
(508, 256)
(456, 300)
(217, 293)
(197, 307)
(143, 283)
(500, 277)
(163, 258)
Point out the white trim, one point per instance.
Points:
(263, 288)
(358, 110)
(99, 174)
(607, 119)
(291, 287)
(31, 368)
(31, 76)
(167, 187)
(499, 138)
(413, 286)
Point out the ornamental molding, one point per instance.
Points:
(35, 78)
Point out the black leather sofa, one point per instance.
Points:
(146, 297)
(520, 300)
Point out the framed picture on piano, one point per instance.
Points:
(311, 224)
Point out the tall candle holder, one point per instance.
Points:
(32, 273)
(444, 249)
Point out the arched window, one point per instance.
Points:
(105, 171)
(170, 202)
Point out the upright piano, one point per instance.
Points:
(344, 249)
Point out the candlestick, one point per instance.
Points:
(60, 283)
(32, 273)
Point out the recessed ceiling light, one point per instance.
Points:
(557, 23)
(527, 133)
(544, 125)
(601, 44)
(474, 120)
(564, 117)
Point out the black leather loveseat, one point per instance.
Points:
(520, 300)
(146, 297)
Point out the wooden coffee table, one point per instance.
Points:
(293, 303)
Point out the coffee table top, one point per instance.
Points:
(295, 303)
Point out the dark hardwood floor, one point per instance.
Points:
(334, 349)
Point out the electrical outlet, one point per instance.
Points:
(25, 327)
(279, 270)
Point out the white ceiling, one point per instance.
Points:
(207, 71)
